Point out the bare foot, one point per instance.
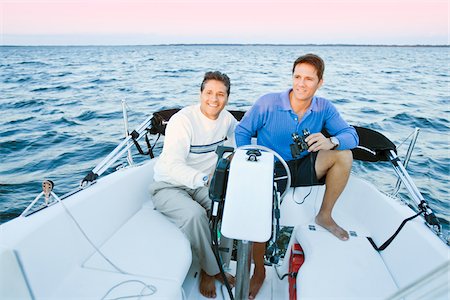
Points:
(230, 278)
(256, 282)
(207, 285)
(331, 226)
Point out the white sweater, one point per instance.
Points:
(190, 142)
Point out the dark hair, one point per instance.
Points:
(313, 60)
(216, 75)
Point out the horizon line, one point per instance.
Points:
(229, 44)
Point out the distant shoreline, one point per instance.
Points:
(238, 44)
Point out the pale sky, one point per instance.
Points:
(142, 22)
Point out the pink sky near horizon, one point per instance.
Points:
(249, 21)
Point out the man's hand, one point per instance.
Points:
(317, 141)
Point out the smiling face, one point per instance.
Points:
(213, 98)
(305, 82)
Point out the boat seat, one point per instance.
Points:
(331, 266)
(146, 245)
(146, 248)
(88, 284)
(13, 285)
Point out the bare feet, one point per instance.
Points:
(256, 282)
(230, 278)
(331, 226)
(208, 283)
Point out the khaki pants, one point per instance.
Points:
(188, 210)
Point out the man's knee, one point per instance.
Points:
(195, 214)
(344, 157)
(327, 158)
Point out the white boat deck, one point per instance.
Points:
(46, 256)
(273, 288)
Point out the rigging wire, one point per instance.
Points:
(405, 140)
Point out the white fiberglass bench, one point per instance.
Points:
(331, 266)
(51, 259)
(353, 269)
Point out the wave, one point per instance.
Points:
(87, 115)
(341, 101)
(174, 73)
(13, 146)
(421, 122)
(34, 63)
(370, 111)
(18, 121)
(56, 88)
(92, 115)
(63, 74)
(24, 79)
(65, 121)
(179, 71)
(14, 132)
(101, 81)
(26, 103)
(364, 99)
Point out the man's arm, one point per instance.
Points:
(177, 143)
(341, 133)
(249, 125)
(339, 128)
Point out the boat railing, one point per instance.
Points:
(415, 194)
(411, 146)
(120, 150)
(374, 146)
(100, 168)
(127, 133)
(123, 147)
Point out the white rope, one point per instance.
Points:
(152, 290)
(85, 235)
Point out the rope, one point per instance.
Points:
(86, 236)
(141, 294)
(150, 287)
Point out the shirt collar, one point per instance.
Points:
(286, 104)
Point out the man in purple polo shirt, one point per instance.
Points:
(275, 117)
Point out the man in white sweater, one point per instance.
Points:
(184, 169)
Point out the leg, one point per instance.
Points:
(178, 206)
(259, 273)
(207, 280)
(336, 165)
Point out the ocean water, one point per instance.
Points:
(61, 106)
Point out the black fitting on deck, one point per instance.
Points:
(91, 176)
